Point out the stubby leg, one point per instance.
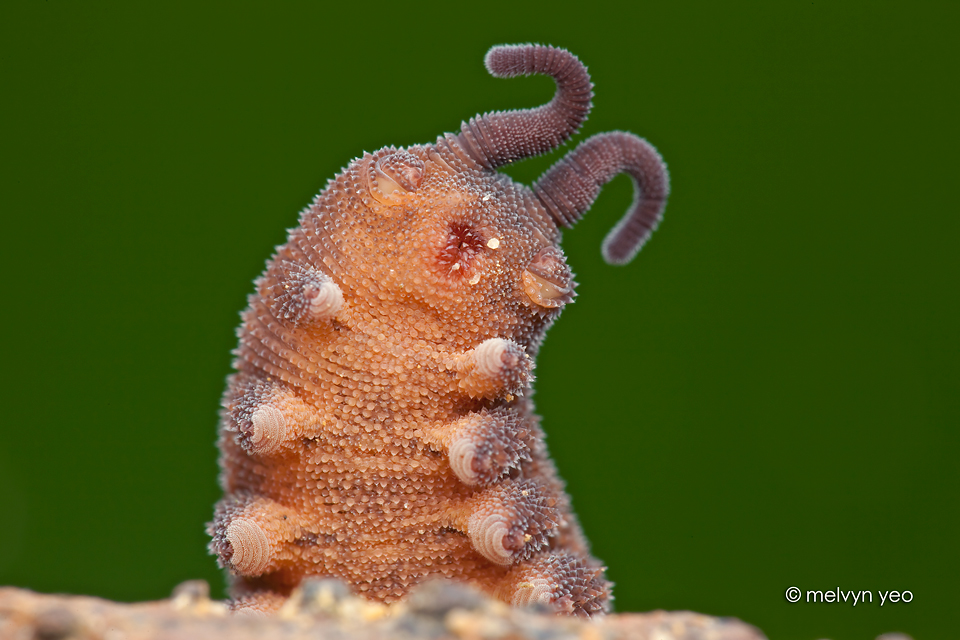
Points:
(252, 536)
(266, 415)
(509, 521)
(495, 368)
(299, 295)
(563, 581)
(483, 447)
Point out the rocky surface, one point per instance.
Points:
(324, 609)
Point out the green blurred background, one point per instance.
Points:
(767, 396)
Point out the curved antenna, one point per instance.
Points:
(569, 188)
(501, 137)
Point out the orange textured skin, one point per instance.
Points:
(378, 428)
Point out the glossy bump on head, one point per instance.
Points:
(392, 175)
(547, 280)
(400, 170)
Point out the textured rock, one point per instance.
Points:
(379, 428)
(322, 610)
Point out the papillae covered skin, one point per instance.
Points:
(379, 427)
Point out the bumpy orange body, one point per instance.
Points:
(378, 428)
